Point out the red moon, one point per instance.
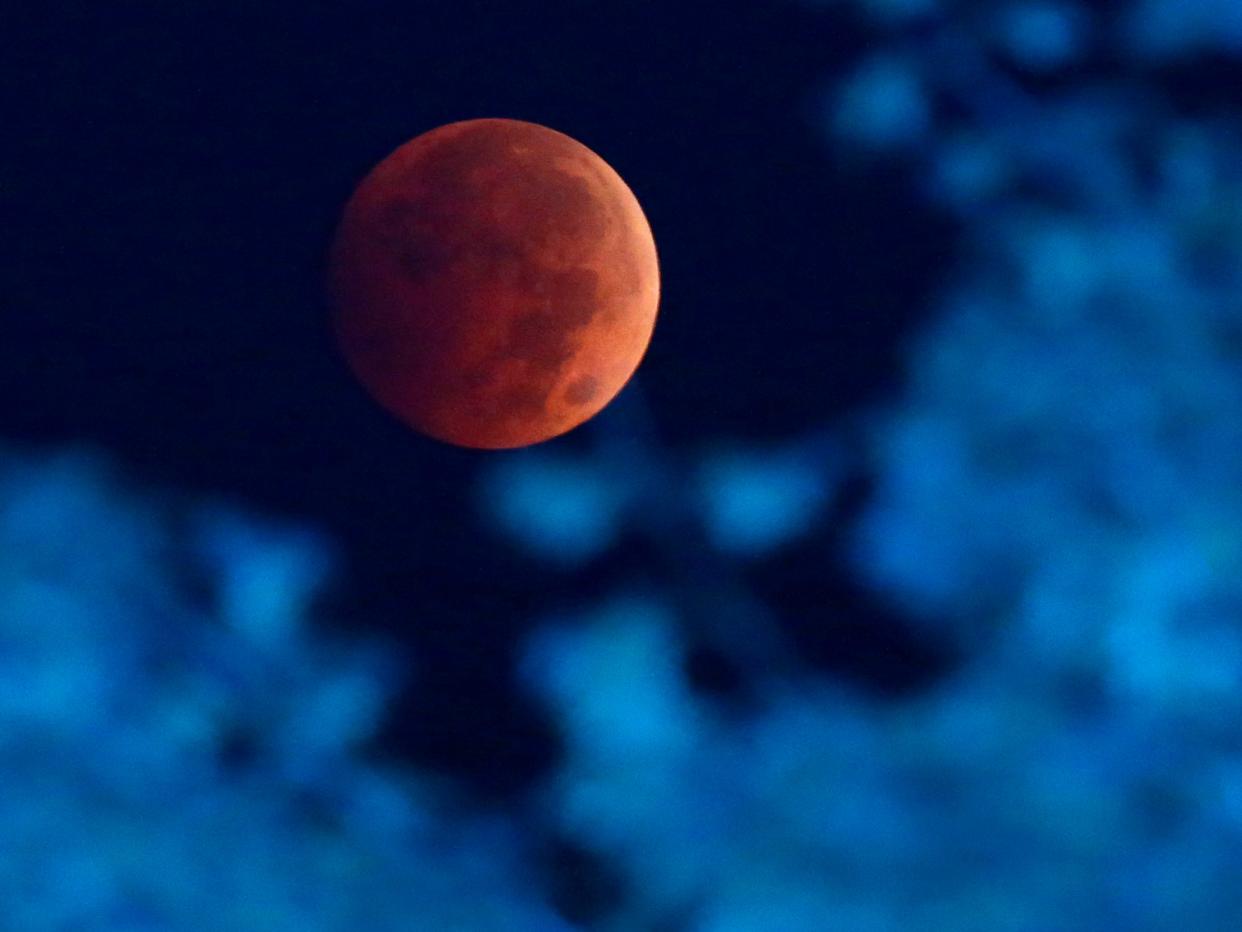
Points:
(495, 283)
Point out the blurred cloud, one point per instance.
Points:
(565, 509)
(182, 747)
(1163, 29)
(1043, 36)
(883, 104)
(752, 502)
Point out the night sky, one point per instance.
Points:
(171, 175)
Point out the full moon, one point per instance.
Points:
(494, 283)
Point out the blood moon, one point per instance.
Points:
(495, 283)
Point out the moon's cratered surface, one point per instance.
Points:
(495, 283)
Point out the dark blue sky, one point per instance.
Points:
(170, 177)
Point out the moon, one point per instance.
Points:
(495, 283)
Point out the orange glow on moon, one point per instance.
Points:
(495, 283)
